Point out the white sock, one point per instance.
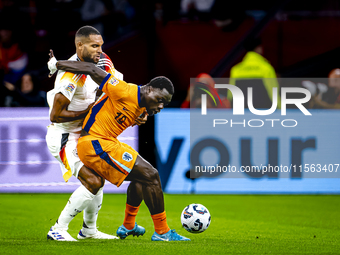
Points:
(91, 213)
(78, 201)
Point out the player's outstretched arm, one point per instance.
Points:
(79, 67)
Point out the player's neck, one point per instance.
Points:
(79, 57)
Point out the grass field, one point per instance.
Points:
(241, 224)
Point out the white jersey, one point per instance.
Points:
(80, 89)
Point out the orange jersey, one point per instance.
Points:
(116, 109)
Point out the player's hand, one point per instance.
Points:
(141, 119)
(52, 63)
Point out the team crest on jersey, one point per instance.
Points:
(70, 87)
(113, 81)
(127, 156)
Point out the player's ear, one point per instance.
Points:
(149, 89)
(79, 44)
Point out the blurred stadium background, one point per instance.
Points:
(177, 39)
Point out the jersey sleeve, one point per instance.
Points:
(68, 84)
(113, 87)
(106, 64)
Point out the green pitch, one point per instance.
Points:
(240, 224)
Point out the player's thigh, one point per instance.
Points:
(72, 157)
(143, 172)
(63, 146)
(53, 141)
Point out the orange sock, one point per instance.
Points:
(130, 216)
(159, 221)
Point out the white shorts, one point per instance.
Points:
(63, 146)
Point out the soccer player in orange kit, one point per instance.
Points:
(100, 150)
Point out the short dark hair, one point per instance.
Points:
(161, 82)
(87, 31)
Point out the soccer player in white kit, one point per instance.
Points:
(70, 101)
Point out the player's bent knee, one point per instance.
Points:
(152, 175)
(96, 182)
(91, 180)
(143, 172)
(93, 184)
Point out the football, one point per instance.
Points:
(195, 218)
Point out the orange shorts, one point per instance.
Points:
(111, 159)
